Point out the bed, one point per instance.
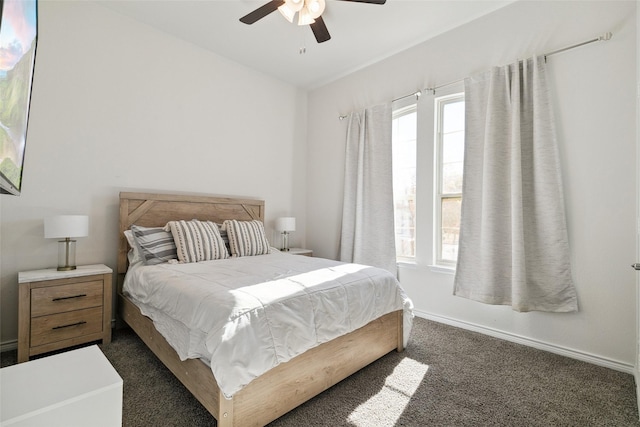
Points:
(293, 381)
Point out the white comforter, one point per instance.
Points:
(247, 315)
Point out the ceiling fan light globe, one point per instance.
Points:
(315, 7)
(287, 12)
(305, 18)
(296, 4)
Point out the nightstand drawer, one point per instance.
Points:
(60, 299)
(59, 327)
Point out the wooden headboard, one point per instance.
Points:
(155, 210)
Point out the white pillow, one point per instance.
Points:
(134, 253)
(197, 240)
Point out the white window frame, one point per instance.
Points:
(440, 103)
(401, 108)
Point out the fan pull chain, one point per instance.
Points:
(303, 49)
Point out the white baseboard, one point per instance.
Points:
(8, 345)
(552, 348)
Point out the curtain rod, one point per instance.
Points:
(604, 37)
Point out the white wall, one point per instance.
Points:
(118, 106)
(594, 97)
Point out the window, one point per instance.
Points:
(441, 118)
(449, 145)
(404, 131)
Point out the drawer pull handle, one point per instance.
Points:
(71, 297)
(70, 325)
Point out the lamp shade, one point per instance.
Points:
(62, 226)
(286, 223)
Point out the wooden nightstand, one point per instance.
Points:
(59, 309)
(300, 251)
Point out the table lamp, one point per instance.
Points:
(285, 225)
(66, 227)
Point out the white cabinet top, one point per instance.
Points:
(53, 273)
(49, 382)
(299, 251)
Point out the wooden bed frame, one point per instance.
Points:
(282, 388)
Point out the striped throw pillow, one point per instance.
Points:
(155, 244)
(197, 240)
(246, 238)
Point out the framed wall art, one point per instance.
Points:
(18, 39)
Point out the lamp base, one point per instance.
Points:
(285, 242)
(66, 254)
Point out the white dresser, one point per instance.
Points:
(75, 388)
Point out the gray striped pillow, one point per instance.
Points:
(246, 238)
(155, 244)
(197, 240)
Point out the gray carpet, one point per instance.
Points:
(446, 377)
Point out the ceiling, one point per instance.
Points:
(361, 33)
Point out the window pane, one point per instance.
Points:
(453, 119)
(405, 211)
(453, 147)
(406, 127)
(452, 162)
(404, 182)
(449, 175)
(452, 178)
(450, 228)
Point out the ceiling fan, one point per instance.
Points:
(309, 13)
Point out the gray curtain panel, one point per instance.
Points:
(513, 247)
(368, 235)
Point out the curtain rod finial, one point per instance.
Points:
(606, 36)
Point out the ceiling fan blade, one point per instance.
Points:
(261, 12)
(320, 30)
(369, 1)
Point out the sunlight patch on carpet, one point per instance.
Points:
(387, 406)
